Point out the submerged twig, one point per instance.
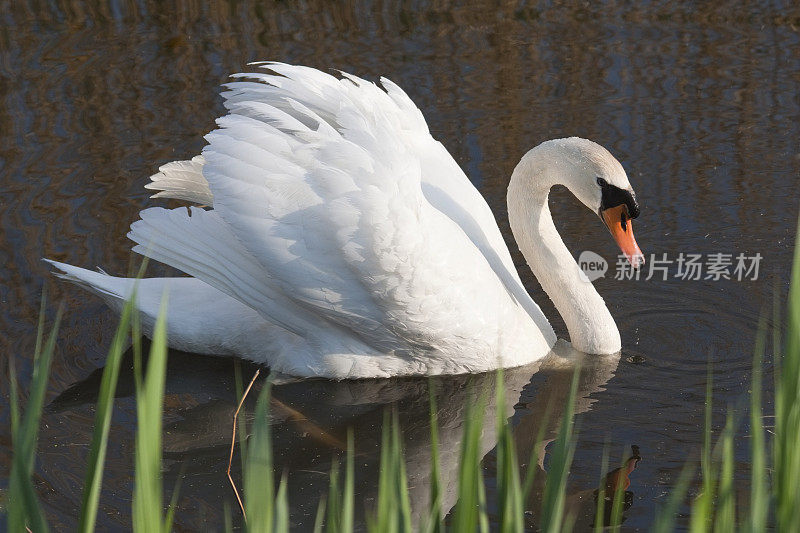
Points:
(233, 441)
(295, 417)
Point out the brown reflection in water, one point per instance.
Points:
(614, 486)
(95, 99)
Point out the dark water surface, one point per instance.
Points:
(699, 104)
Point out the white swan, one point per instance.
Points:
(339, 239)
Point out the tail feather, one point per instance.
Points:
(114, 291)
(200, 318)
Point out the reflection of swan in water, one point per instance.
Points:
(201, 405)
(535, 396)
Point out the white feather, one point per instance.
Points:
(182, 180)
(343, 230)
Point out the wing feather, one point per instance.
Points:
(322, 189)
(182, 180)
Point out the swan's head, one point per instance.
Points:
(596, 178)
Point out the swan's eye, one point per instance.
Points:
(601, 182)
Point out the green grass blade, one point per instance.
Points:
(759, 504)
(40, 326)
(136, 345)
(599, 517)
(24, 509)
(401, 480)
(349, 486)
(102, 423)
(136, 335)
(148, 492)
(393, 513)
(384, 512)
(618, 498)
(13, 397)
(703, 506)
(173, 502)
(777, 332)
(786, 452)
(334, 500)
(282, 507)
(509, 490)
(320, 518)
(227, 519)
(554, 498)
(483, 517)
(259, 487)
(725, 515)
(434, 524)
(665, 518)
(530, 474)
(29, 426)
(466, 516)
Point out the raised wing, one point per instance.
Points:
(326, 189)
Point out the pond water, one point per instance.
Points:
(700, 104)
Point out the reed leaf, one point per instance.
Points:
(24, 509)
(665, 517)
(511, 512)
(725, 513)
(703, 506)
(393, 513)
(599, 516)
(555, 488)
(102, 422)
(148, 491)
(757, 516)
(259, 487)
(434, 522)
(282, 507)
(786, 451)
(467, 514)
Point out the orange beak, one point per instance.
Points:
(619, 224)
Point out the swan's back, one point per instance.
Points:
(337, 217)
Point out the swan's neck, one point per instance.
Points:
(590, 325)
